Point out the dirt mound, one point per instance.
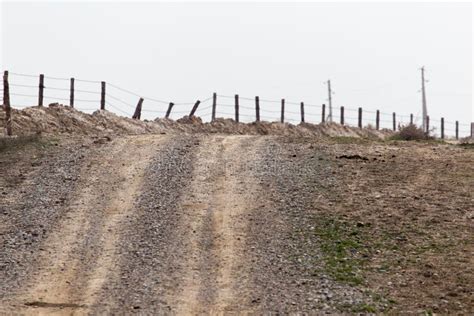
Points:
(57, 118)
(333, 129)
(64, 119)
(230, 126)
(196, 120)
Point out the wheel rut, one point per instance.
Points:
(79, 255)
(215, 212)
(154, 224)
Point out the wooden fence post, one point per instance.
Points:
(168, 112)
(360, 118)
(457, 129)
(323, 114)
(193, 110)
(302, 111)
(377, 120)
(41, 90)
(427, 124)
(138, 110)
(282, 119)
(214, 105)
(102, 96)
(71, 94)
(442, 128)
(257, 109)
(342, 115)
(411, 118)
(6, 104)
(394, 121)
(237, 108)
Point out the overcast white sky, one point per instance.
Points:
(180, 52)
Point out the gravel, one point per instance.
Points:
(150, 244)
(277, 189)
(32, 208)
(287, 265)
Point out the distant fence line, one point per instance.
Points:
(236, 103)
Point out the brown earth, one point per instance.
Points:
(197, 221)
(64, 119)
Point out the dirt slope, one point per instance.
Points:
(192, 224)
(57, 119)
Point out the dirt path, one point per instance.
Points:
(80, 254)
(183, 225)
(216, 209)
(217, 224)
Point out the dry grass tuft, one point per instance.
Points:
(411, 132)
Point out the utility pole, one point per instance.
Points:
(423, 99)
(330, 101)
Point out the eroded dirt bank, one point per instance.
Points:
(193, 224)
(59, 119)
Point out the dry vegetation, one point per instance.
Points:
(411, 132)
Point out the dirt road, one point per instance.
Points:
(98, 255)
(182, 224)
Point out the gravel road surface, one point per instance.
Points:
(176, 224)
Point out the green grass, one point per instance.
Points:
(363, 308)
(342, 248)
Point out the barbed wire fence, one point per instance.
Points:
(25, 90)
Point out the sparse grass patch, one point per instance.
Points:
(363, 308)
(420, 230)
(341, 244)
(350, 140)
(19, 142)
(467, 143)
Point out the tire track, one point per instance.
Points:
(215, 212)
(80, 254)
(151, 243)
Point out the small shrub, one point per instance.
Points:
(467, 142)
(411, 132)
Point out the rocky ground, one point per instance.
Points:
(193, 223)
